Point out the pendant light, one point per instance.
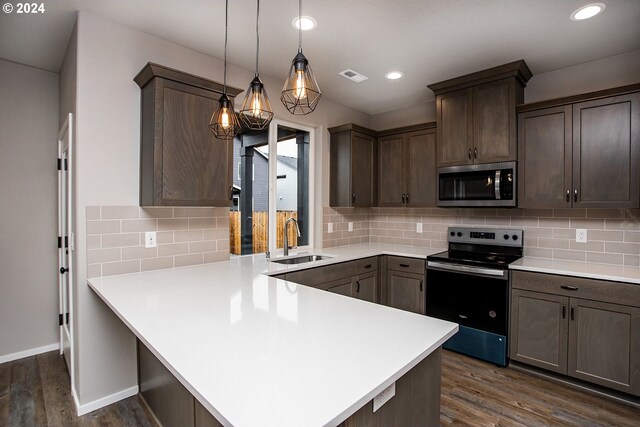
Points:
(224, 121)
(300, 94)
(256, 112)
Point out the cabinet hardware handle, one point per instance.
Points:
(575, 195)
(469, 153)
(231, 192)
(421, 285)
(569, 288)
(564, 311)
(475, 152)
(568, 195)
(407, 198)
(357, 286)
(405, 265)
(572, 313)
(367, 266)
(403, 198)
(353, 197)
(63, 270)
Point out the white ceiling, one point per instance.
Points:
(428, 40)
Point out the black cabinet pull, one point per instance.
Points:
(353, 197)
(407, 198)
(469, 153)
(357, 286)
(63, 270)
(475, 152)
(572, 313)
(569, 288)
(568, 195)
(564, 311)
(231, 192)
(575, 195)
(403, 198)
(367, 266)
(421, 285)
(405, 265)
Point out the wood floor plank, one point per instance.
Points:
(5, 375)
(56, 388)
(26, 402)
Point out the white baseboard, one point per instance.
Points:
(28, 353)
(102, 402)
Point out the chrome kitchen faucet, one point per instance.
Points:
(286, 238)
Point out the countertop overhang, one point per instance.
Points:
(256, 350)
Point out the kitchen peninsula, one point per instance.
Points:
(256, 350)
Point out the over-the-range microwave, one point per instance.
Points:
(482, 185)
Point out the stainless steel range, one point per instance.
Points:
(469, 284)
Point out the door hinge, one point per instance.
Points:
(66, 241)
(67, 318)
(59, 242)
(60, 319)
(59, 164)
(66, 165)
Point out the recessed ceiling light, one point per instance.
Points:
(394, 75)
(588, 11)
(307, 22)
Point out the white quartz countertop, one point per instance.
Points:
(616, 273)
(256, 350)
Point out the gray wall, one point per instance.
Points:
(28, 208)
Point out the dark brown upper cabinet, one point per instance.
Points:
(181, 163)
(407, 166)
(352, 166)
(583, 153)
(476, 115)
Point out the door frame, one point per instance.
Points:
(65, 143)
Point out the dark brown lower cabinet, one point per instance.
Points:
(366, 287)
(340, 287)
(406, 291)
(593, 340)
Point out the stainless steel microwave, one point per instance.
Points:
(483, 185)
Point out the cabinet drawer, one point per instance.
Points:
(575, 287)
(319, 275)
(410, 265)
(365, 265)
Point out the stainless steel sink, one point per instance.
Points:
(300, 259)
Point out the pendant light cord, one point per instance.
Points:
(226, 23)
(299, 25)
(257, 34)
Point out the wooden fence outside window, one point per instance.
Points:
(261, 230)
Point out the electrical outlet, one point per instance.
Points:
(150, 239)
(581, 235)
(330, 227)
(418, 227)
(350, 226)
(384, 396)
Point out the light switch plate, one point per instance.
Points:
(581, 235)
(330, 227)
(350, 226)
(150, 239)
(384, 396)
(418, 227)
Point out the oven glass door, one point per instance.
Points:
(476, 301)
(475, 185)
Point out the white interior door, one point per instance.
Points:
(65, 238)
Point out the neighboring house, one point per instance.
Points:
(287, 188)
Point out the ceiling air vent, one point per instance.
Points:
(353, 75)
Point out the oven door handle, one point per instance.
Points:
(458, 268)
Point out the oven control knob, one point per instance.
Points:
(459, 234)
(506, 237)
(452, 233)
(514, 237)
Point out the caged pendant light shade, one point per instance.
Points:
(256, 112)
(224, 122)
(301, 93)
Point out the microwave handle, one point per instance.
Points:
(496, 183)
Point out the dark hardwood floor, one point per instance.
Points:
(35, 392)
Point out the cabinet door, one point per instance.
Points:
(606, 152)
(455, 126)
(342, 287)
(406, 291)
(390, 170)
(544, 158)
(366, 287)
(362, 169)
(420, 168)
(604, 344)
(494, 121)
(196, 168)
(340, 169)
(539, 326)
